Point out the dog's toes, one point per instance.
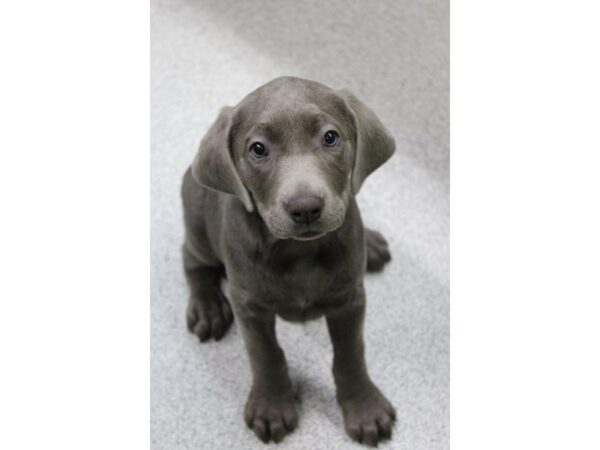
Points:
(369, 419)
(260, 429)
(191, 317)
(290, 418)
(354, 431)
(217, 328)
(209, 317)
(384, 425)
(202, 330)
(271, 416)
(370, 435)
(278, 430)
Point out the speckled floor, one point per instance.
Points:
(394, 56)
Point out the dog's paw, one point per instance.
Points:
(209, 316)
(378, 252)
(271, 416)
(368, 417)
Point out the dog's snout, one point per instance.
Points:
(305, 209)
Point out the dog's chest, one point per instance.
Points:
(308, 287)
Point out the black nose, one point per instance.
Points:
(305, 209)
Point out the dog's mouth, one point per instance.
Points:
(308, 235)
(302, 233)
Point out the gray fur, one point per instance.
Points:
(242, 227)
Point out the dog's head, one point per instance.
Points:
(295, 149)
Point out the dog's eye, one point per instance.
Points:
(258, 150)
(330, 138)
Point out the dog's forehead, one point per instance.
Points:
(290, 105)
(289, 101)
(297, 115)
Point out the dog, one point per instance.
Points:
(269, 202)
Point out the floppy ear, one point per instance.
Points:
(374, 143)
(213, 165)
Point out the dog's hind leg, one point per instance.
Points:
(208, 314)
(378, 252)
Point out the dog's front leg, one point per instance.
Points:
(368, 415)
(270, 410)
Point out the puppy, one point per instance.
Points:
(269, 202)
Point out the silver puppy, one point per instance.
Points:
(269, 203)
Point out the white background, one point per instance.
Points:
(525, 224)
(74, 239)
